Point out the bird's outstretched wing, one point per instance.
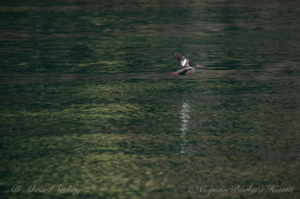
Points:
(182, 60)
(178, 57)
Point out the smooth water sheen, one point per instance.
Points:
(88, 101)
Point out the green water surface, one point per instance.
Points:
(87, 99)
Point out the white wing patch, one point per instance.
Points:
(183, 62)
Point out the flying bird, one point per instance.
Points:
(185, 68)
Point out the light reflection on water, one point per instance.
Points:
(184, 118)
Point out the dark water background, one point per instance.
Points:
(87, 99)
